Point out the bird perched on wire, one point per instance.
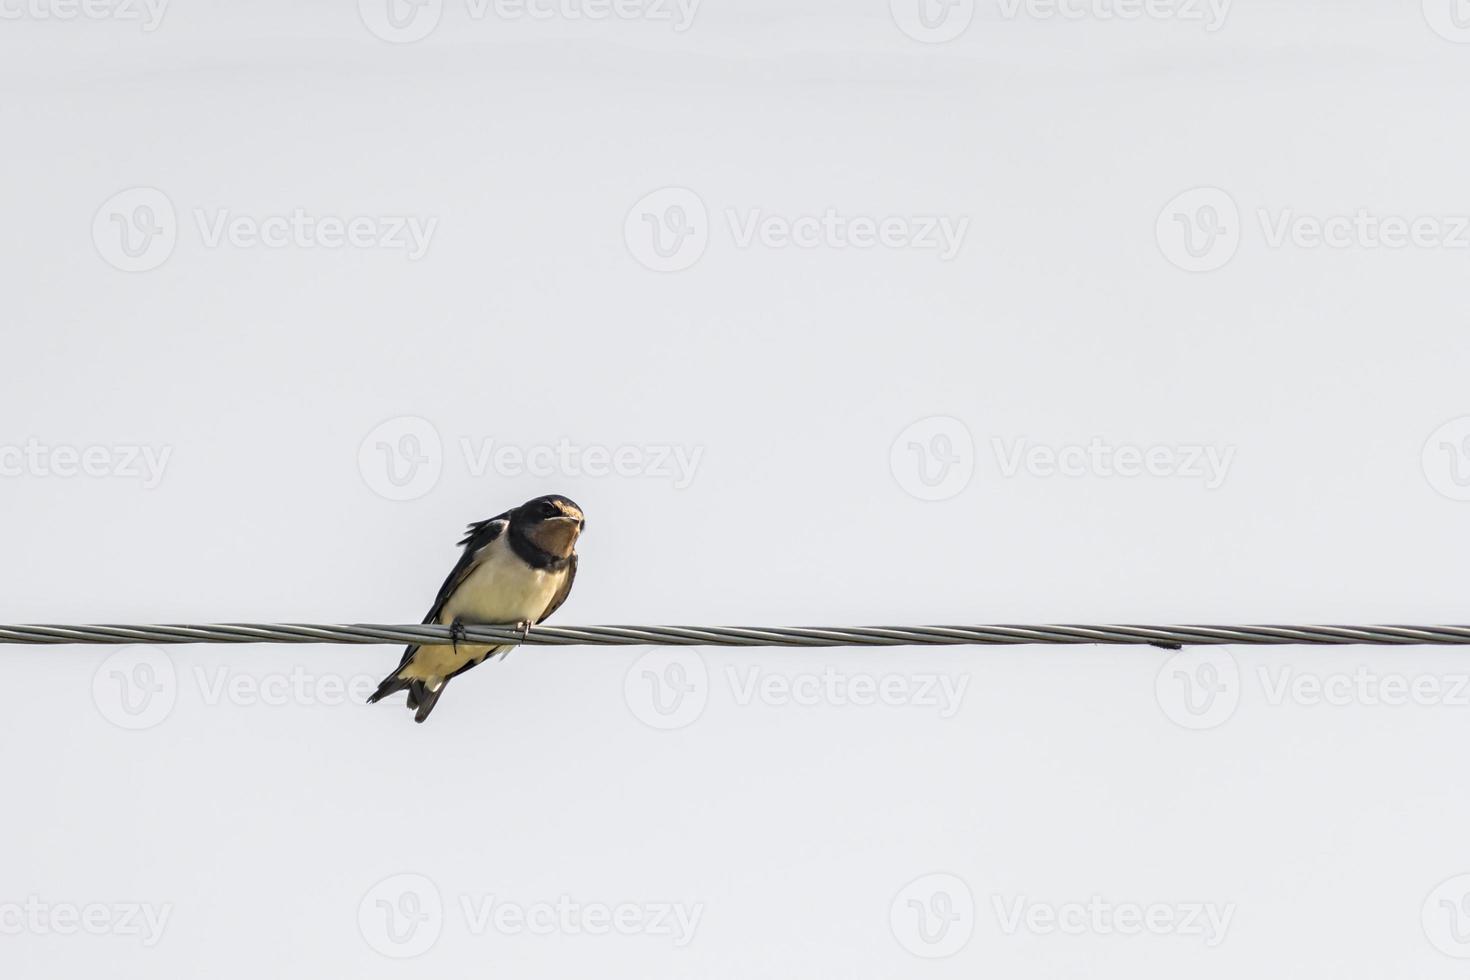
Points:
(517, 569)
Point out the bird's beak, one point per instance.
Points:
(557, 535)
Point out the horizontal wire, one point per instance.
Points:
(748, 636)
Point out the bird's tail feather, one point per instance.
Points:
(391, 684)
(423, 698)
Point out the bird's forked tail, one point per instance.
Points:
(421, 695)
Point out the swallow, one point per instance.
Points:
(516, 570)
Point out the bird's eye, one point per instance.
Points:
(549, 510)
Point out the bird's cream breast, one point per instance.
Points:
(502, 589)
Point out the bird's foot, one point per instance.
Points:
(524, 629)
(456, 634)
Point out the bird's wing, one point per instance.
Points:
(477, 536)
(561, 593)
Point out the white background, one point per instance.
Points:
(1066, 773)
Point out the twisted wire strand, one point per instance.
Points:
(748, 636)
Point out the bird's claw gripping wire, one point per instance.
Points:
(456, 634)
(524, 629)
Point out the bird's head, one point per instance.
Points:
(552, 523)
